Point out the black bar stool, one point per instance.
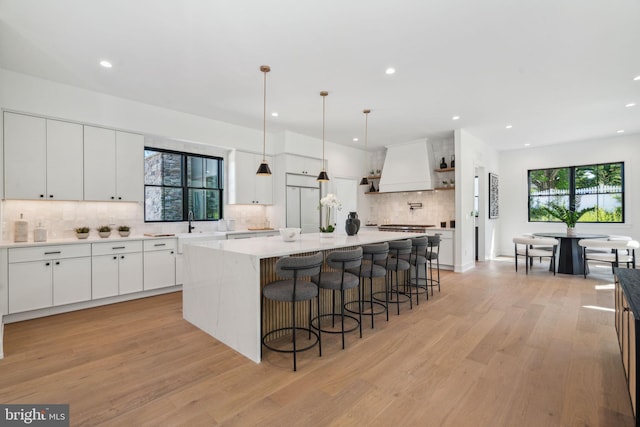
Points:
(433, 254)
(398, 260)
(293, 290)
(418, 259)
(339, 281)
(369, 270)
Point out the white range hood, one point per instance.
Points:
(407, 167)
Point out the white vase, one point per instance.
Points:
(104, 234)
(571, 231)
(326, 235)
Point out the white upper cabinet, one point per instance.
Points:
(130, 166)
(43, 158)
(303, 165)
(64, 160)
(245, 187)
(113, 165)
(99, 163)
(25, 156)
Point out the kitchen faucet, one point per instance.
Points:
(190, 218)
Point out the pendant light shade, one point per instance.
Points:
(264, 169)
(364, 180)
(323, 176)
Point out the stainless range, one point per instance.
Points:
(407, 228)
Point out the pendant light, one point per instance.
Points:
(364, 180)
(323, 176)
(263, 169)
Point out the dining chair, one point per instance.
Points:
(535, 247)
(614, 252)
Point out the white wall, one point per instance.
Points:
(472, 154)
(513, 184)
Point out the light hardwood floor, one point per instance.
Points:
(494, 348)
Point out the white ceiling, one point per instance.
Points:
(557, 70)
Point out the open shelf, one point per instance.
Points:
(445, 188)
(446, 170)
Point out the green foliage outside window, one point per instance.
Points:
(596, 191)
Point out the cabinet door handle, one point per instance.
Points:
(115, 257)
(51, 196)
(122, 257)
(119, 198)
(57, 262)
(160, 244)
(47, 264)
(112, 198)
(52, 253)
(118, 247)
(172, 252)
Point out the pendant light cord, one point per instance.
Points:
(264, 119)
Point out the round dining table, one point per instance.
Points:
(570, 259)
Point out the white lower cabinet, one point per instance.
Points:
(45, 276)
(117, 269)
(159, 263)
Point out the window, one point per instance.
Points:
(177, 183)
(597, 190)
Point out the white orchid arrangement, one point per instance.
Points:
(329, 201)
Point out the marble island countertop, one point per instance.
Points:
(274, 246)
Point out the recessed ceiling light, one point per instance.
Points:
(620, 131)
(508, 126)
(631, 104)
(390, 70)
(355, 140)
(636, 78)
(274, 114)
(527, 144)
(455, 118)
(106, 64)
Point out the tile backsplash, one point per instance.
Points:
(60, 218)
(393, 208)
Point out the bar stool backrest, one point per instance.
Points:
(342, 260)
(400, 248)
(298, 266)
(375, 252)
(419, 245)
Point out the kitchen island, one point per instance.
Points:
(223, 281)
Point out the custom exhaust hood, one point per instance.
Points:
(407, 167)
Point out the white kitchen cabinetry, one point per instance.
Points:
(43, 158)
(117, 268)
(302, 165)
(113, 165)
(159, 263)
(247, 188)
(44, 276)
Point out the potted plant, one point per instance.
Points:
(104, 231)
(569, 216)
(82, 232)
(124, 230)
(329, 201)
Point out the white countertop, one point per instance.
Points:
(274, 246)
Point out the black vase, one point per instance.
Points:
(443, 164)
(352, 225)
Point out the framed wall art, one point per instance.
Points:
(494, 199)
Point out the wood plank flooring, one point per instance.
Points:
(494, 348)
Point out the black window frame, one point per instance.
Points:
(185, 187)
(572, 190)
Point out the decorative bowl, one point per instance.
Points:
(290, 234)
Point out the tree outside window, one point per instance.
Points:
(599, 189)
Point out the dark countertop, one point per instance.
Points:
(629, 280)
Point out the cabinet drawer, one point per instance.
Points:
(38, 253)
(160, 245)
(117, 247)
